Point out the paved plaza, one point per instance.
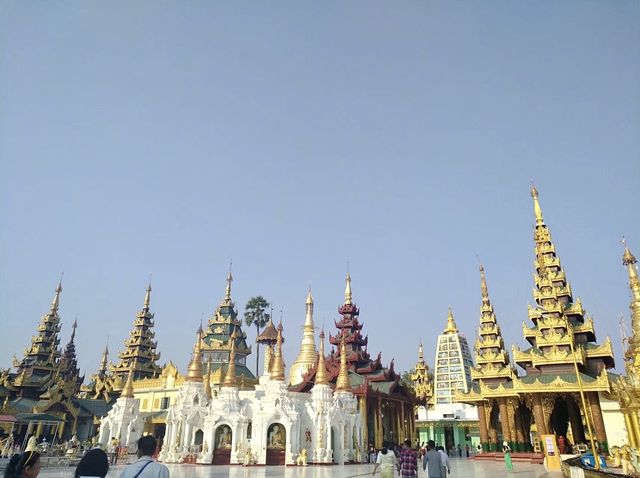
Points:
(460, 468)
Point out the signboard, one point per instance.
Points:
(551, 452)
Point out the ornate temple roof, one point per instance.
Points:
(222, 329)
(139, 354)
(422, 379)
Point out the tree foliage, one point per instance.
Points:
(255, 313)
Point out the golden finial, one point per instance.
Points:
(347, 290)
(483, 284)
(230, 378)
(342, 384)
(227, 293)
(127, 391)
(194, 372)
(321, 372)
(627, 258)
(147, 296)
(420, 353)
(309, 297)
(277, 368)
(536, 206)
(56, 298)
(207, 380)
(105, 358)
(74, 326)
(307, 357)
(451, 325)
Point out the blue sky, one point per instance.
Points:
(294, 137)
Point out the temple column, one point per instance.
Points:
(504, 421)
(403, 425)
(598, 421)
(520, 440)
(39, 430)
(538, 415)
(631, 435)
(379, 431)
(635, 422)
(576, 422)
(362, 401)
(484, 431)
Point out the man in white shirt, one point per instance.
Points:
(146, 466)
(445, 461)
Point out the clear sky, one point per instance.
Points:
(294, 137)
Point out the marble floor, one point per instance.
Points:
(460, 468)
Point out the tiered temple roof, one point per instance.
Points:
(140, 354)
(366, 376)
(223, 328)
(492, 360)
(557, 319)
(36, 371)
(69, 362)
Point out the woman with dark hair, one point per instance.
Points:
(26, 465)
(94, 463)
(386, 461)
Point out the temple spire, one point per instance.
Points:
(230, 379)
(277, 369)
(451, 325)
(73, 333)
(103, 362)
(55, 303)
(307, 357)
(321, 372)
(536, 206)
(630, 262)
(127, 391)
(420, 353)
(342, 383)
(227, 292)
(483, 286)
(347, 290)
(194, 372)
(147, 297)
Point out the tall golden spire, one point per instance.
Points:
(230, 378)
(194, 372)
(483, 286)
(207, 380)
(127, 391)
(451, 325)
(321, 372)
(56, 298)
(536, 206)
(420, 353)
(104, 360)
(629, 261)
(342, 384)
(227, 292)
(347, 290)
(147, 298)
(422, 379)
(277, 369)
(307, 357)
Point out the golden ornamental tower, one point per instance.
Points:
(277, 368)
(140, 354)
(308, 356)
(127, 391)
(37, 370)
(559, 322)
(627, 389)
(492, 360)
(342, 384)
(451, 327)
(194, 371)
(422, 379)
(230, 378)
(322, 377)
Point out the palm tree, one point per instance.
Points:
(255, 312)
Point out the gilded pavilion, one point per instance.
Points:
(385, 405)
(563, 359)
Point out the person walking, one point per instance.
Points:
(507, 457)
(408, 463)
(446, 469)
(146, 466)
(386, 461)
(432, 461)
